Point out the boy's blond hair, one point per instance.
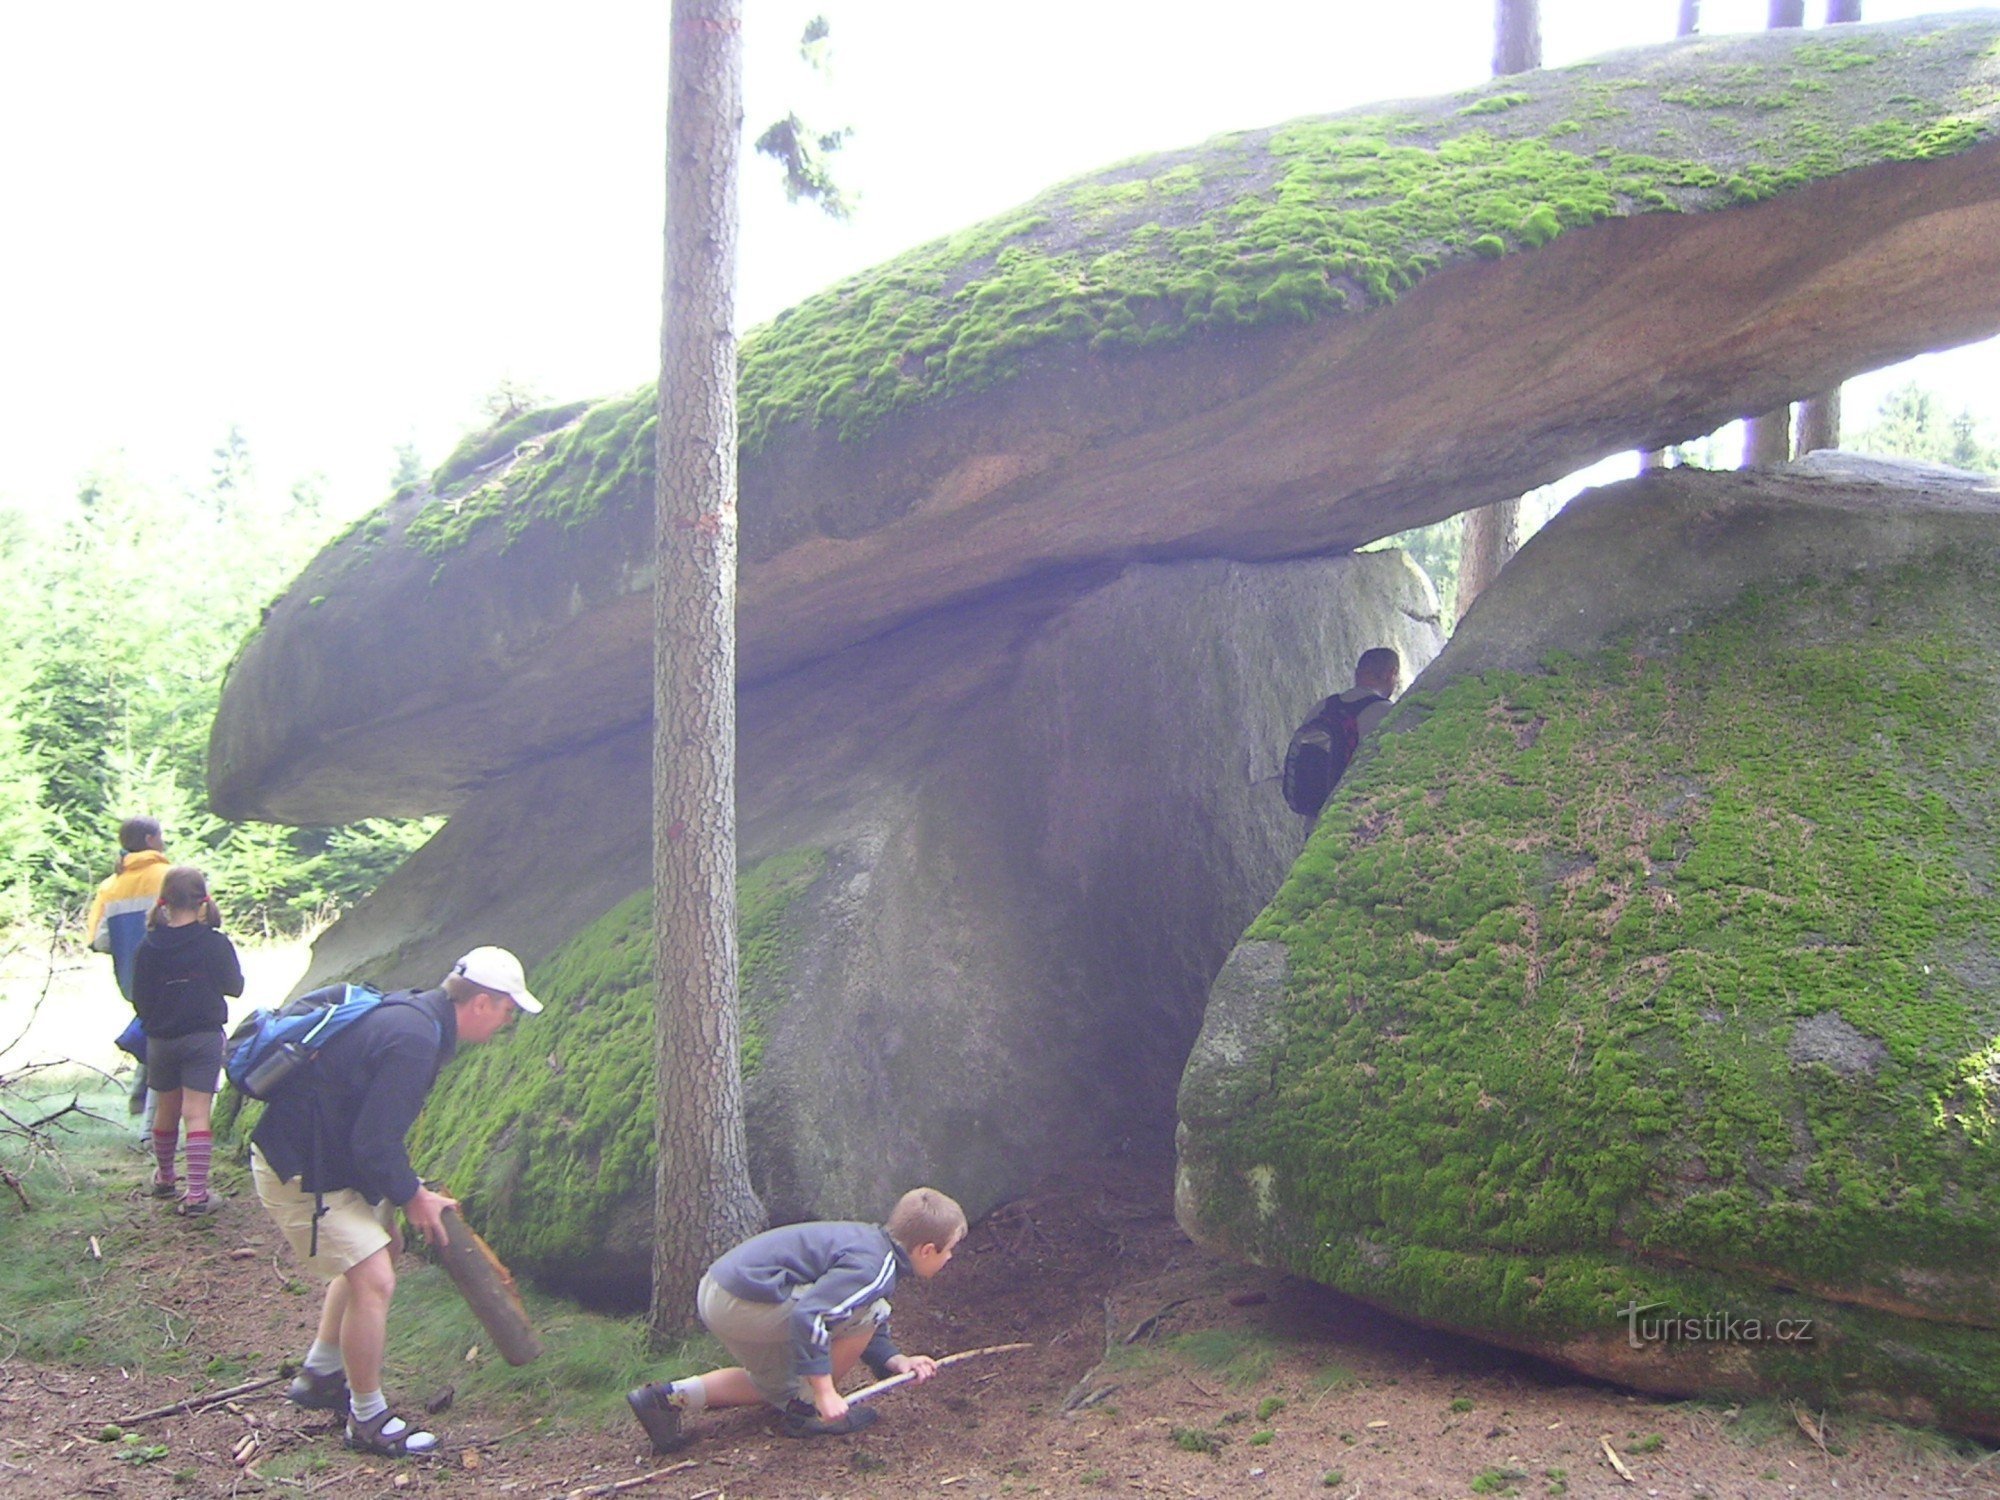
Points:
(924, 1216)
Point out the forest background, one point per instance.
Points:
(331, 291)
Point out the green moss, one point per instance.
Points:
(1548, 956)
(496, 443)
(1494, 104)
(547, 1130)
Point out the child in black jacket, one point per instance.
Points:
(181, 975)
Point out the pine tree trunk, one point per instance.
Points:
(1768, 439)
(1786, 13)
(1690, 21)
(703, 1202)
(1839, 11)
(1517, 36)
(1492, 534)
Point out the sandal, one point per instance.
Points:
(190, 1208)
(164, 1189)
(387, 1435)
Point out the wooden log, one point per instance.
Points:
(488, 1288)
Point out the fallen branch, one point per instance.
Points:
(632, 1484)
(201, 1403)
(908, 1375)
(1812, 1426)
(1616, 1462)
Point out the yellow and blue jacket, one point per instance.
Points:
(118, 911)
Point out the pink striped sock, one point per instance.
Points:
(163, 1154)
(200, 1149)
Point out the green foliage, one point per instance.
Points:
(111, 664)
(1912, 423)
(1497, 1481)
(1197, 1440)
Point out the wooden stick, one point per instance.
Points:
(488, 1288)
(1616, 1462)
(632, 1484)
(197, 1403)
(950, 1359)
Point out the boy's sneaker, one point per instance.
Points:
(659, 1416)
(802, 1419)
(318, 1392)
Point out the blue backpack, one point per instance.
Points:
(269, 1047)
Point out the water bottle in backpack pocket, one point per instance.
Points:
(268, 1048)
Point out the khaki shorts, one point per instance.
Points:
(352, 1230)
(759, 1334)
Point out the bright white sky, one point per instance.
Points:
(339, 227)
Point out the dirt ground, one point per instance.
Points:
(1154, 1370)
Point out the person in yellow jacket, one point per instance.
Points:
(117, 919)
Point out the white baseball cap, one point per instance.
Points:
(498, 970)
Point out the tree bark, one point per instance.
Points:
(1517, 36)
(703, 1202)
(1690, 21)
(1492, 534)
(1767, 439)
(1838, 11)
(1786, 13)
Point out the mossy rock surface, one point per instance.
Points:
(1659, 976)
(1283, 225)
(1283, 343)
(546, 1133)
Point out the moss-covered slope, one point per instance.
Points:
(546, 1133)
(1661, 977)
(1291, 223)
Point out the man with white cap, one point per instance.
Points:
(331, 1167)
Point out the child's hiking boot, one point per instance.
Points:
(316, 1392)
(658, 1415)
(802, 1419)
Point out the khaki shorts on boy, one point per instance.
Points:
(759, 1334)
(352, 1230)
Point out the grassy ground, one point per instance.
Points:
(87, 1263)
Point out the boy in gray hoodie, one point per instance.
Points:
(799, 1305)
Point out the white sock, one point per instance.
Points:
(324, 1358)
(689, 1394)
(370, 1406)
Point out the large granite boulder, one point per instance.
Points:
(1633, 1003)
(989, 867)
(1285, 342)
